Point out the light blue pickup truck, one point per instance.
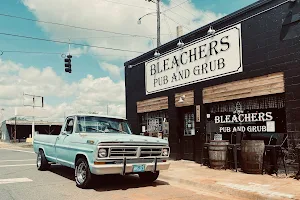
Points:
(98, 145)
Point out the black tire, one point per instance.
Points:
(42, 163)
(149, 177)
(81, 180)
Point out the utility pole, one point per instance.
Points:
(158, 23)
(158, 19)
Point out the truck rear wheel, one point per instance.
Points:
(83, 176)
(149, 177)
(41, 161)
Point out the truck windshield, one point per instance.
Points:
(93, 124)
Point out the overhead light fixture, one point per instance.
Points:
(211, 31)
(129, 66)
(181, 99)
(180, 44)
(156, 54)
(292, 1)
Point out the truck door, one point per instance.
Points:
(62, 145)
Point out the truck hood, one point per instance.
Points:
(123, 138)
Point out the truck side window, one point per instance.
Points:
(69, 126)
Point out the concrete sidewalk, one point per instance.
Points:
(230, 184)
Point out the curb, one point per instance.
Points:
(217, 188)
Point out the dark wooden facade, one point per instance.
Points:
(270, 44)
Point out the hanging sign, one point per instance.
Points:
(212, 57)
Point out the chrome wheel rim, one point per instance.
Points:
(39, 160)
(81, 173)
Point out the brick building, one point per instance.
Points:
(245, 78)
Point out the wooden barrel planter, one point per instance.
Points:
(252, 156)
(217, 151)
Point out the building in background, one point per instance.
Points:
(20, 130)
(244, 77)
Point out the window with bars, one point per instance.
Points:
(265, 102)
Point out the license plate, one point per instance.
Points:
(138, 168)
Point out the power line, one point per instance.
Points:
(63, 42)
(55, 53)
(194, 14)
(168, 27)
(169, 9)
(30, 52)
(175, 6)
(179, 15)
(92, 37)
(71, 26)
(178, 23)
(128, 4)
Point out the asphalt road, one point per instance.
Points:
(20, 180)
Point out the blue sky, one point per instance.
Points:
(91, 70)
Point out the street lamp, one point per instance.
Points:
(140, 19)
(158, 19)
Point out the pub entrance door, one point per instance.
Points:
(186, 131)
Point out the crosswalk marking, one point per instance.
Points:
(17, 150)
(14, 180)
(16, 160)
(16, 165)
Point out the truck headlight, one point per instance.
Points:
(165, 152)
(102, 153)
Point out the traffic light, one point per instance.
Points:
(68, 64)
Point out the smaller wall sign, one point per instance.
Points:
(154, 125)
(217, 136)
(198, 113)
(270, 126)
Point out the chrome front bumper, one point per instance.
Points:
(125, 168)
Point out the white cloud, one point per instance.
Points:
(77, 52)
(115, 17)
(113, 70)
(88, 94)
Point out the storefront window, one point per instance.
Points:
(252, 118)
(155, 124)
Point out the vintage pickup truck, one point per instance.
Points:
(98, 145)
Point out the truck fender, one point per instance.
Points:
(82, 154)
(42, 148)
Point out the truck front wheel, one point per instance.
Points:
(41, 161)
(149, 177)
(83, 176)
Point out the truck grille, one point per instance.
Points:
(117, 152)
(149, 152)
